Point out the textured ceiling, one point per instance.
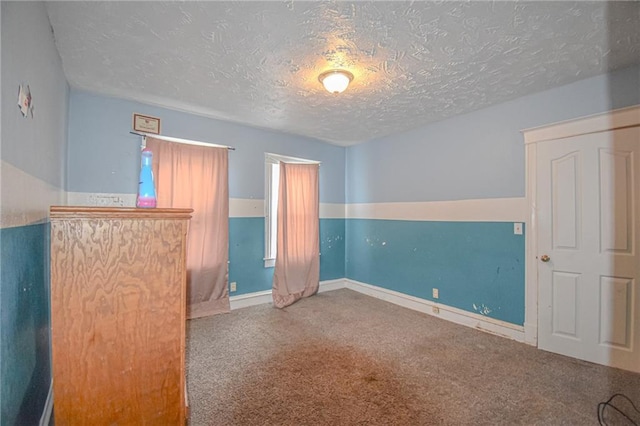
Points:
(257, 63)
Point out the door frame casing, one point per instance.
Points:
(610, 120)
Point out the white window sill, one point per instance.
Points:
(269, 263)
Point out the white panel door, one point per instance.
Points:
(588, 190)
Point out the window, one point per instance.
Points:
(272, 185)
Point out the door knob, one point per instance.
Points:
(545, 258)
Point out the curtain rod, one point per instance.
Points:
(185, 141)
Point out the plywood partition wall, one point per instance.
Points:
(118, 300)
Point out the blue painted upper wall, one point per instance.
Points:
(34, 145)
(476, 155)
(104, 157)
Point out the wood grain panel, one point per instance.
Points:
(71, 212)
(118, 317)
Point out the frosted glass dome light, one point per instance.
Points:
(335, 81)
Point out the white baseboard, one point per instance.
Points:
(449, 313)
(48, 407)
(331, 285)
(261, 297)
(250, 299)
(531, 334)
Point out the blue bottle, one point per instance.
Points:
(146, 189)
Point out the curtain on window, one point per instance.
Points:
(197, 177)
(297, 271)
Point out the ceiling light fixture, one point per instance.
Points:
(335, 81)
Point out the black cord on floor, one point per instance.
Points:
(603, 405)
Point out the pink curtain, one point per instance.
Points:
(297, 271)
(197, 177)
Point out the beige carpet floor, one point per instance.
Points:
(343, 358)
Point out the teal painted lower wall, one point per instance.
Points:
(246, 253)
(471, 263)
(24, 326)
(477, 266)
(332, 249)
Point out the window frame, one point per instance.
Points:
(272, 171)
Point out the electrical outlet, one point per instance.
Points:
(233, 286)
(435, 309)
(436, 294)
(517, 228)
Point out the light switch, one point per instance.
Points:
(517, 228)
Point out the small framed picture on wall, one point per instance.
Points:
(146, 124)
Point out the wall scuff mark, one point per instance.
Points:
(482, 309)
